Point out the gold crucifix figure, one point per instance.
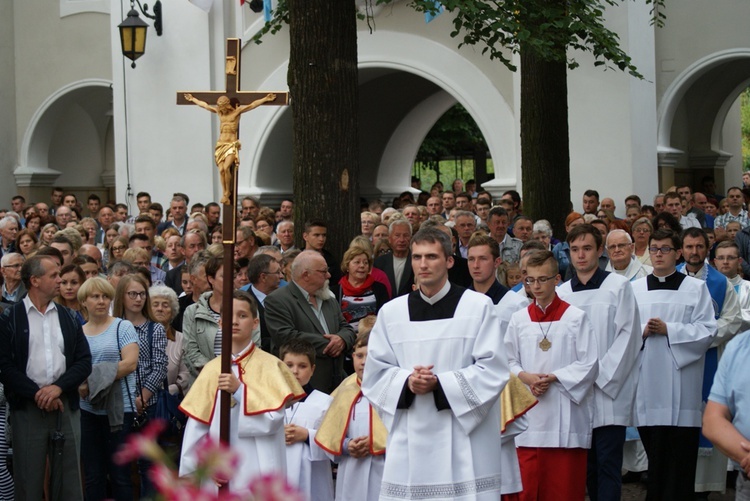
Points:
(229, 106)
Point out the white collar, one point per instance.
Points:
(437, 297)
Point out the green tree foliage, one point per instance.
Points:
(453, 134)
(745, 118)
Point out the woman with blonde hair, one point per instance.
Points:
(113, 342)
(359, 294)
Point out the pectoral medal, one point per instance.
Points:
(545, 344)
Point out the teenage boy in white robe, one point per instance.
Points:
(678, 327)
(552, 349)
(261, 386)
(608, 300)
(435, 370)
(308, 467)
(728, 262)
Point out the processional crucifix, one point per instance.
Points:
(230, 104)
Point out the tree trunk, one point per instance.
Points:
(324, 97)
(545, 157)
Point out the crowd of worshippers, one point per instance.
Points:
(559, 366)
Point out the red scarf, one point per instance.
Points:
(351, 291)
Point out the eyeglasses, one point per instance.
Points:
(726, 258)
(136, 295)
(540, 280)
(664, 250)
(119, 247)
(12, 266)
(615, 247)
(641, 230)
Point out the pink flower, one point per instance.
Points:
(217, 458)
(274, 487)
(143, 444)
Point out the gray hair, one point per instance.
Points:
(396, 222)
(115, 269)
(33, 267)
(198, 261)
(282, 223)
(7, 257)
(463, 213)
(302, 262)
(162, 291)
(542, 226)
(6, 221)
(619, 232)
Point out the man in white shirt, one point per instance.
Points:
(727, 262)
(44, 357)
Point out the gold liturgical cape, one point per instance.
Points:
(515, 400)
(332, 431)
(268, 383)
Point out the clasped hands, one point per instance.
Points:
(294, 433)
(422, 380)
(335, 345)
(654, 326)
(359, 447)
(538, 383)
(745, 463)
(48, 398)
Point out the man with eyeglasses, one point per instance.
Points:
(264, 273)
(307, 309)
(13, 288)
(551, 347)
(621, 257)
(711, 469)
(678, 327)
(608, 301)
(727, 262)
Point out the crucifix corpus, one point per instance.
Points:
(230, 104)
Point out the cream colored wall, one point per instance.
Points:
(52, 52)
(7, 106)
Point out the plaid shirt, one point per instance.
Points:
(724, 219)
(152, 360)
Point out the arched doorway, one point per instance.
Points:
(70, 143)
(406, 84)
(693, 113)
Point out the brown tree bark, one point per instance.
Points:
(544, 121)
(324, 97)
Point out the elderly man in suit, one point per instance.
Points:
(397, 264)
(306, 309)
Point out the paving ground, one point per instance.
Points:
(637, 492)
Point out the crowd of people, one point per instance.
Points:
(615, 349)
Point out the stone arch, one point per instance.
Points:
(692, 113)
(68, 140)
(402, 94)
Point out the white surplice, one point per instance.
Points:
(507, 306)
(258, 439)
(670, 368)
(359, 478)
(307, 466)
(742, 288)
(511, 470)
(613, 313)
(453, 453)
(564, 416)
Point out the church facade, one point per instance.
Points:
(77, 115)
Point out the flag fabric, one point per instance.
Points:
(267, 7)
(204, 5)
(429, 15)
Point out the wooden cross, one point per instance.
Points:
(237, 99)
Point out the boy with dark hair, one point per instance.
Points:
(308, 466)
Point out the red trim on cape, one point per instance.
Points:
(555, 311)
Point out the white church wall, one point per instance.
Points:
(167, 148)
(51, 52)
(612, 117)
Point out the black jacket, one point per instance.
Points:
(14, 356)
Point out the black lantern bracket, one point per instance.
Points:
(156, 16)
